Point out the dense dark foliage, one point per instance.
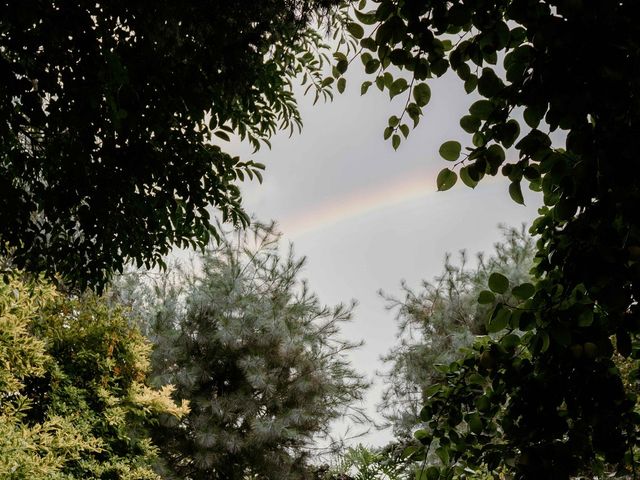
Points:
(546, 398)
(107, 109)
(439, 319)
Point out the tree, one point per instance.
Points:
(109, 110)
(74, 403)
(440, 319)
(256, 355)
(553, 400)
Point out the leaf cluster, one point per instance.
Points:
(73, 399)
(570, 66)
(110, 110)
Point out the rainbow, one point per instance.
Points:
(409, 187)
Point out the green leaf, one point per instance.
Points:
(510, 341)
(397, 87)
(446, 179)
(531, 117)
(367, 18)
(466, 178)
(481, 109)
(222, 135)
(443, 454)
(326, 82)
(342, 65)
(483, 403)
(355, 29)
(486, 297)
(475, 423)
(342, 83)
(516, 193)
(371, 66)
(364, 87)
(498, 283)
(422, 94)
(499, 319)
(450, 150)
(470, 84)
(523, 291)
(470, 123)
(410, 450)
(489, 85)
(395, 141)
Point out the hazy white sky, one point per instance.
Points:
(367, 216)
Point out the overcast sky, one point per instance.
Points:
(366, 216)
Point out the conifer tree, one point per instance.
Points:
(257, 356)
(439, 319)
(74, 403)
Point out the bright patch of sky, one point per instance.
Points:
(367, 216)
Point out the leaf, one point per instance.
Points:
(470, 84)
(397, 87)
(395, 141)
(483, 403)
(515, 191)
(475, 423)
(523, 291)
(443, 454)
(450, 150)
(342, 83)
(364, 87)
(498, 283)
(470, 123)
(222, 135)
(499, 319)
(355, 29)
(481, 109)
(446, 179)
(367, 18)
(326, 82)
(510, 341)
(486, 297)
(422, 94)
(466, 178)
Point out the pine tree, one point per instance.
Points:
(257, 356)
(439, 319)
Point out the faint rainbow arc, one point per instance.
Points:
(359, 203)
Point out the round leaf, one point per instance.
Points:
(486, 297)
(499, 319)
(450, 150)
(524, 291)
(498, 283)
(446, 179)
(422, 94)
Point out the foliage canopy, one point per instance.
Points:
(74, 403)
(108, 110)
(442, 317)
(554, 402)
